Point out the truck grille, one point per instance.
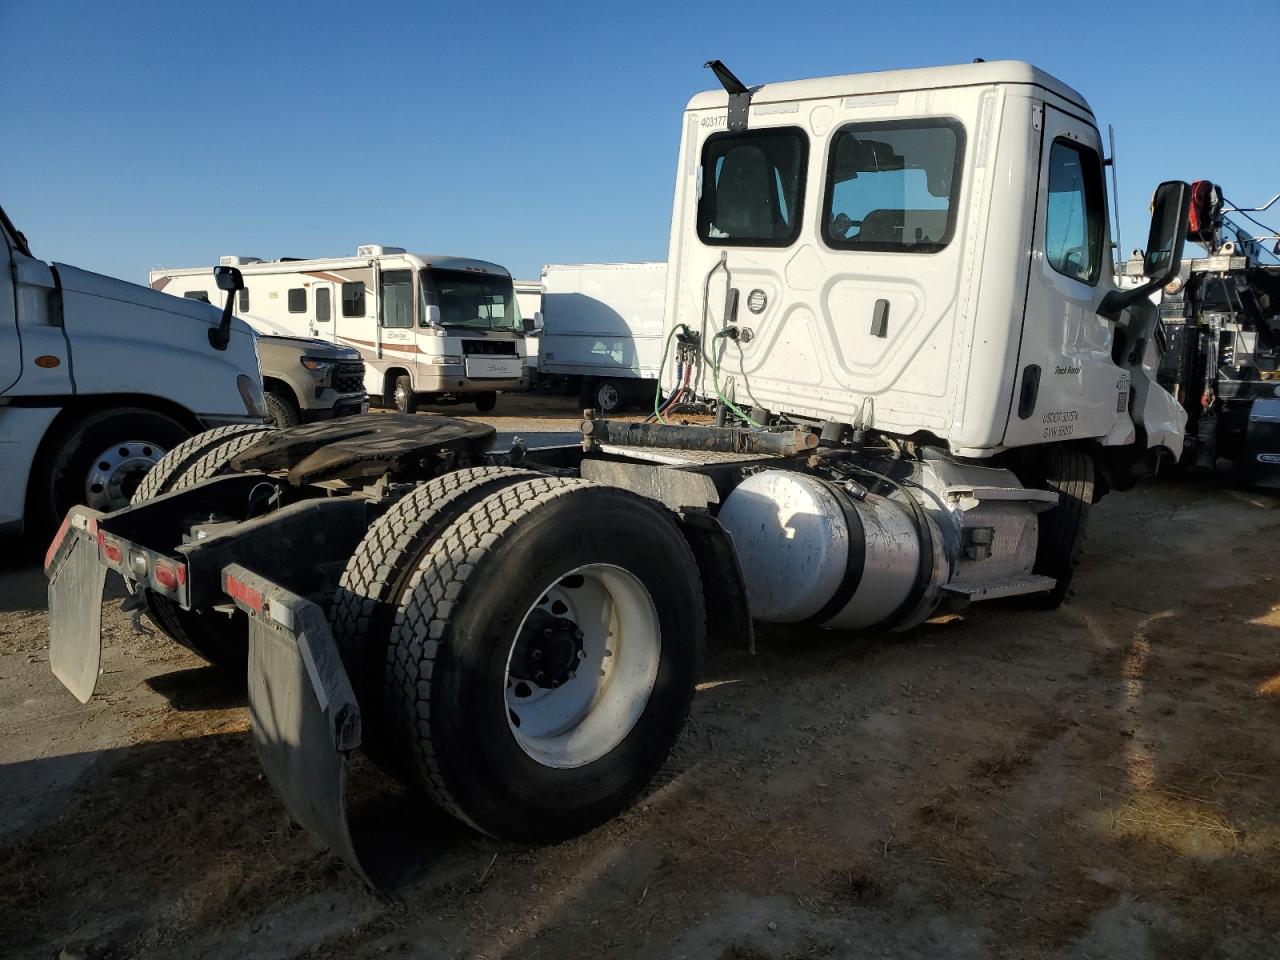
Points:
(349, 377)
(505, 348)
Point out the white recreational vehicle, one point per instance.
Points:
(427, 327)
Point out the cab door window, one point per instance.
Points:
(1075, 215)
(397, 298)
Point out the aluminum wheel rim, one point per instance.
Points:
(402, 397)
(592, 711)
(116, 472)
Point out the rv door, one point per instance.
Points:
(322, 324)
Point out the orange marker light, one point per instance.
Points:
(48, 361)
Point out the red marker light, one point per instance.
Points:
(110, 549)
(165, 576)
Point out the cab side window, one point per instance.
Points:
(753, 187)
(1073, 228)
(397, 298)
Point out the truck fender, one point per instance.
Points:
(723, 586)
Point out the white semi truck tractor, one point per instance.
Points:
(899, 286)
(99, 378)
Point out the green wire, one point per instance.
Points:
(715, 382)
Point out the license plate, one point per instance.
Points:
(493, 367)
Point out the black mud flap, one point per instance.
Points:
(306, 722)
(76, 581)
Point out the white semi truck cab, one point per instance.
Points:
(898, 286)
(98, 379)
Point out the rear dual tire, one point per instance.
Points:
(222, 640)
(477, 595)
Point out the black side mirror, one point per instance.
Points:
(1170, 214)
(527, 325)
(230, 280)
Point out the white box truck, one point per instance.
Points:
(428, 327)
(602, 329)
(99, 378)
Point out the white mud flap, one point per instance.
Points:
(306, 722)
(76, 581)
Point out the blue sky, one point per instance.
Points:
(136, 135)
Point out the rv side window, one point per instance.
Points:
(1073, 223)
(322, 305)
(244, 300)
(397, 298)
(353, 299)
(196, 295)
(893, 186)
(298, 300)
(753, 187)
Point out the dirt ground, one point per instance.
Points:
(1098, 781)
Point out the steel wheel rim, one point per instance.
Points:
(116, 472)
(608, 396)
(589, 713)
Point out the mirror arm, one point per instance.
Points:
(1117, 301)
(220, 335)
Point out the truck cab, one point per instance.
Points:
(98, 379)
(923, 252)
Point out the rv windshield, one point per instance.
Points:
(482, 301)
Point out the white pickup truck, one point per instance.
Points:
(99, 378)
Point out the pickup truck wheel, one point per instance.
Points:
(403, 396)
(1060, 539)
(369, 593)
(486, 401)
(100, 461)
(545, 658)
(222, 640)
(173, 463)
(280, 410)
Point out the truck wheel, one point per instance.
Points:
(611, 396)
(280, 410)
(100, 461)
(369, 593)
(1060, 541)
(222, 640)
(186, 453)
(545, 658)
(403, 396)
(486, 401)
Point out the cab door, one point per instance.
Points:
(10, 347)
(1068, 386)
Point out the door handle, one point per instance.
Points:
(880, 319)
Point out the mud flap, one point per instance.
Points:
(76, 582)
(305, 718)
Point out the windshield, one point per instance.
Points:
(482, 301)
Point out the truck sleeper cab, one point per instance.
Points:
(427, 327)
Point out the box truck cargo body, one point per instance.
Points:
(602, 327)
